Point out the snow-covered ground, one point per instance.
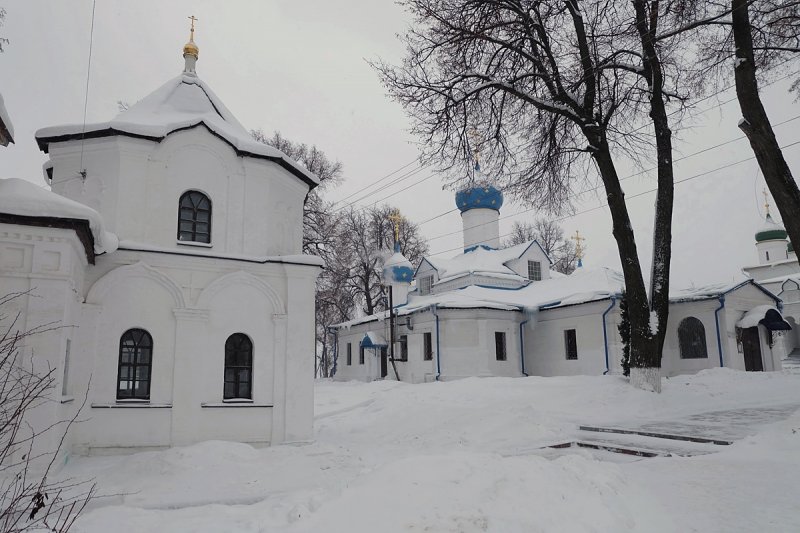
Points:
(466, 456)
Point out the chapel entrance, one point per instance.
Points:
(384, 365)
(751, 343)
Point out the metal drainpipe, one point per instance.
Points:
(335, 349)
(522, 346)
(605, 332)
(438, 360)
(716, 321)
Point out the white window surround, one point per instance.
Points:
(194, 243)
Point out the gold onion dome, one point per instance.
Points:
(191, 49)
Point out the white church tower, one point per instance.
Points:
(200, 323)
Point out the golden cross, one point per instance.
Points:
(475, 138)
(766, 200)
(578, 246)
(395, 217)
(191, 35)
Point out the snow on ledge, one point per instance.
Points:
(297, 259)
(754, 316)
(23, 198)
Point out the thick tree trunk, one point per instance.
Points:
(643, 348)
(757, 128)
(647, 24)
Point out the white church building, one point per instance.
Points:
(168, 255)
(779, 272)
(492, 311)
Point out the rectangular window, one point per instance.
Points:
(360, 355)
(534, 271)
(65, 381)
(500, 345)
(427, 346)
(349, 353)
(570, 344)
(425, 285)
(403, 348)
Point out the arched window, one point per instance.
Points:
(135, 363)
(238, 367)
(692, 339)
(194, 217)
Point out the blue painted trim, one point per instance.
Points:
(605, 331)
(716, 322)
(522, 346)
(438, 346)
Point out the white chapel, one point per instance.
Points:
(493, 311)
(168, 252)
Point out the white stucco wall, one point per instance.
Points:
(136, 184)
(47, 264)
(481, 226)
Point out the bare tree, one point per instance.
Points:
(747, 38)
(550, 237)
(552, 87)
(365, 240)
(29, 499)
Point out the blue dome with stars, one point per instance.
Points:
(397, 270)
(479, 197)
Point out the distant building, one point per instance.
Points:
(779, 272)
(493, 311)
(170, 251)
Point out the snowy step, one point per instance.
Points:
(653, 446)
(656, 435)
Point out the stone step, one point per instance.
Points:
(656, 435)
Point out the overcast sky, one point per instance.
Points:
(300, 67)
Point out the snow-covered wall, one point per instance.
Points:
(136, 185)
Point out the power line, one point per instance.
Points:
(389, 175)
(589, 210)
(82, 170)
(436, 217)
(581, 193)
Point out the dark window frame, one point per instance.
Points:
(360, 355)
(571, 344)
(137, 342)
(239, 360)
(500, 346)
(427, 346)
(692, 338)
(191, 205)
(349, 354)
(403, 341)
(534, 270)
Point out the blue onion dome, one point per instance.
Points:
(770, 231)
(479, 196)
(397, 270)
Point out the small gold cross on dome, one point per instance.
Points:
(395, 217)
(193, 19)
(578, 246)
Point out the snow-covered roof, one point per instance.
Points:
(183, 102)
(373, 339)
(23, 198)
(715, 290)
(6, 128)
(582, 286)
(482, 260)
(764, 314)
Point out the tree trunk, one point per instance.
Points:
(757, 128)
(662, 226)
(643, 348)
